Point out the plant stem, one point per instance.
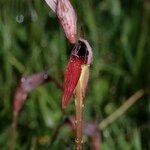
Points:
(58, 85)
(122, 109)
(143, 38)
(78, 118)
(13, 131)
(79, 95)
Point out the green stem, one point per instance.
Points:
(121, 110)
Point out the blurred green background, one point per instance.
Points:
(31, 40)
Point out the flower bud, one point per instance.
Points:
(26, 85)
(68, 19)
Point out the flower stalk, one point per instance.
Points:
(79, 117)
(13, 131)
(79, 96)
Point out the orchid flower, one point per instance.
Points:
(81, 56)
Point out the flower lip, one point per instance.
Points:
(83, 49)
(80, 49)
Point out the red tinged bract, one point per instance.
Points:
(68, 19)
(72, 75)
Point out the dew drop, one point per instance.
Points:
(23, 79)
(20, 18)
(45, 76)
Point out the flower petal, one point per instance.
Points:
(72, 75)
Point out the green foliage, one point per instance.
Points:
(31, 41)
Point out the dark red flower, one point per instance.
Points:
(81, 54)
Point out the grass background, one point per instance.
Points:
(32, 40)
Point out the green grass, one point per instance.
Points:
(119, 33)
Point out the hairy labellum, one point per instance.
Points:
(68, 19)
(77, 68)
(52, 4)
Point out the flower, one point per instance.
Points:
(77, 68)
(26, 85)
